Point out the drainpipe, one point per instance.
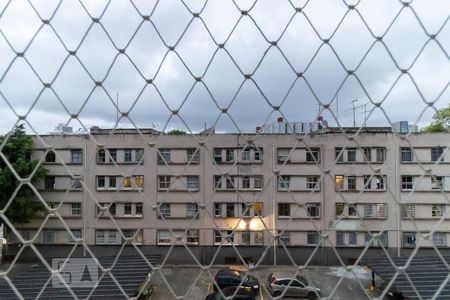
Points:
(274, 207)
(84, 195)
(397, 198)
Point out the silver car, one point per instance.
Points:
(292, 287)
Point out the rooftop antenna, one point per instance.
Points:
(353, 108)
(365, 113)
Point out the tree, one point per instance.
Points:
(17, 151)
(441, 121)
(176, 132)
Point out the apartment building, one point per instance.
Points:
(287, 192)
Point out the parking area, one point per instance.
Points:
(194, 283)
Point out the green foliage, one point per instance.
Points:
(17, 151)
(441, 121)
(176, 132)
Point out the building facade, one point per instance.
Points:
(329, 190)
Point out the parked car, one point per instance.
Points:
(291, 287)
(243, 293)
(227, 277)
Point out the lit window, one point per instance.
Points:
(127, 182)
(139, 180)
(259, 208)
(339, 179)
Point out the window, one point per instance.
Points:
(76, 184)
(285, 238)
(408, 211)
(50, 182)
(312, 238)
(258, 154)
(193, 237)
(312, 155)
(437, 210)
(351, 154)
(407, 183)
(339, 209)
(112, 182)
(258, 182)
(100, 181)
(217, 155)
(112, 209)
(164, 209)
(436, 154)
(193, 155)
(372, 242)
(367, 154)
(284, 182)
(224, 237)
(352, 211)
(439, 239)
(230, 210)
(101, 156)
(76, 156)
(164, 156)
(139, 155)
(246, 155)
(284, 209)
(409, 239)
(229, 237)
(375, 211)
(258, 237)
(339, 180)
(379, 181)
(217, 182)
(246, 210)
(258, 208)
(139, 207)
(313, 210)
(163, 182)
(107, 237)
(113, 155)
(283, 155)
(245, 238)
(127, 182)
(339, 154)
(139, 181)
(340, 238)
(229, 155)
(380, 154)
(127, 155)
(230, 182)
(217, 237)
(245, 182)
(217, 209)
(312, 182)
(351, 183)
(127, 209)
(132, 237)
(437, 183)
(164, 237)
(76, 233)
(50, 157)
(48, 236)
(352, 238)
(191, 210)
(75, 209)
(192, 183)
(367, 182)
(405, 154)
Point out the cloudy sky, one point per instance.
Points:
(299, 49)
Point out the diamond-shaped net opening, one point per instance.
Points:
(263, 136)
